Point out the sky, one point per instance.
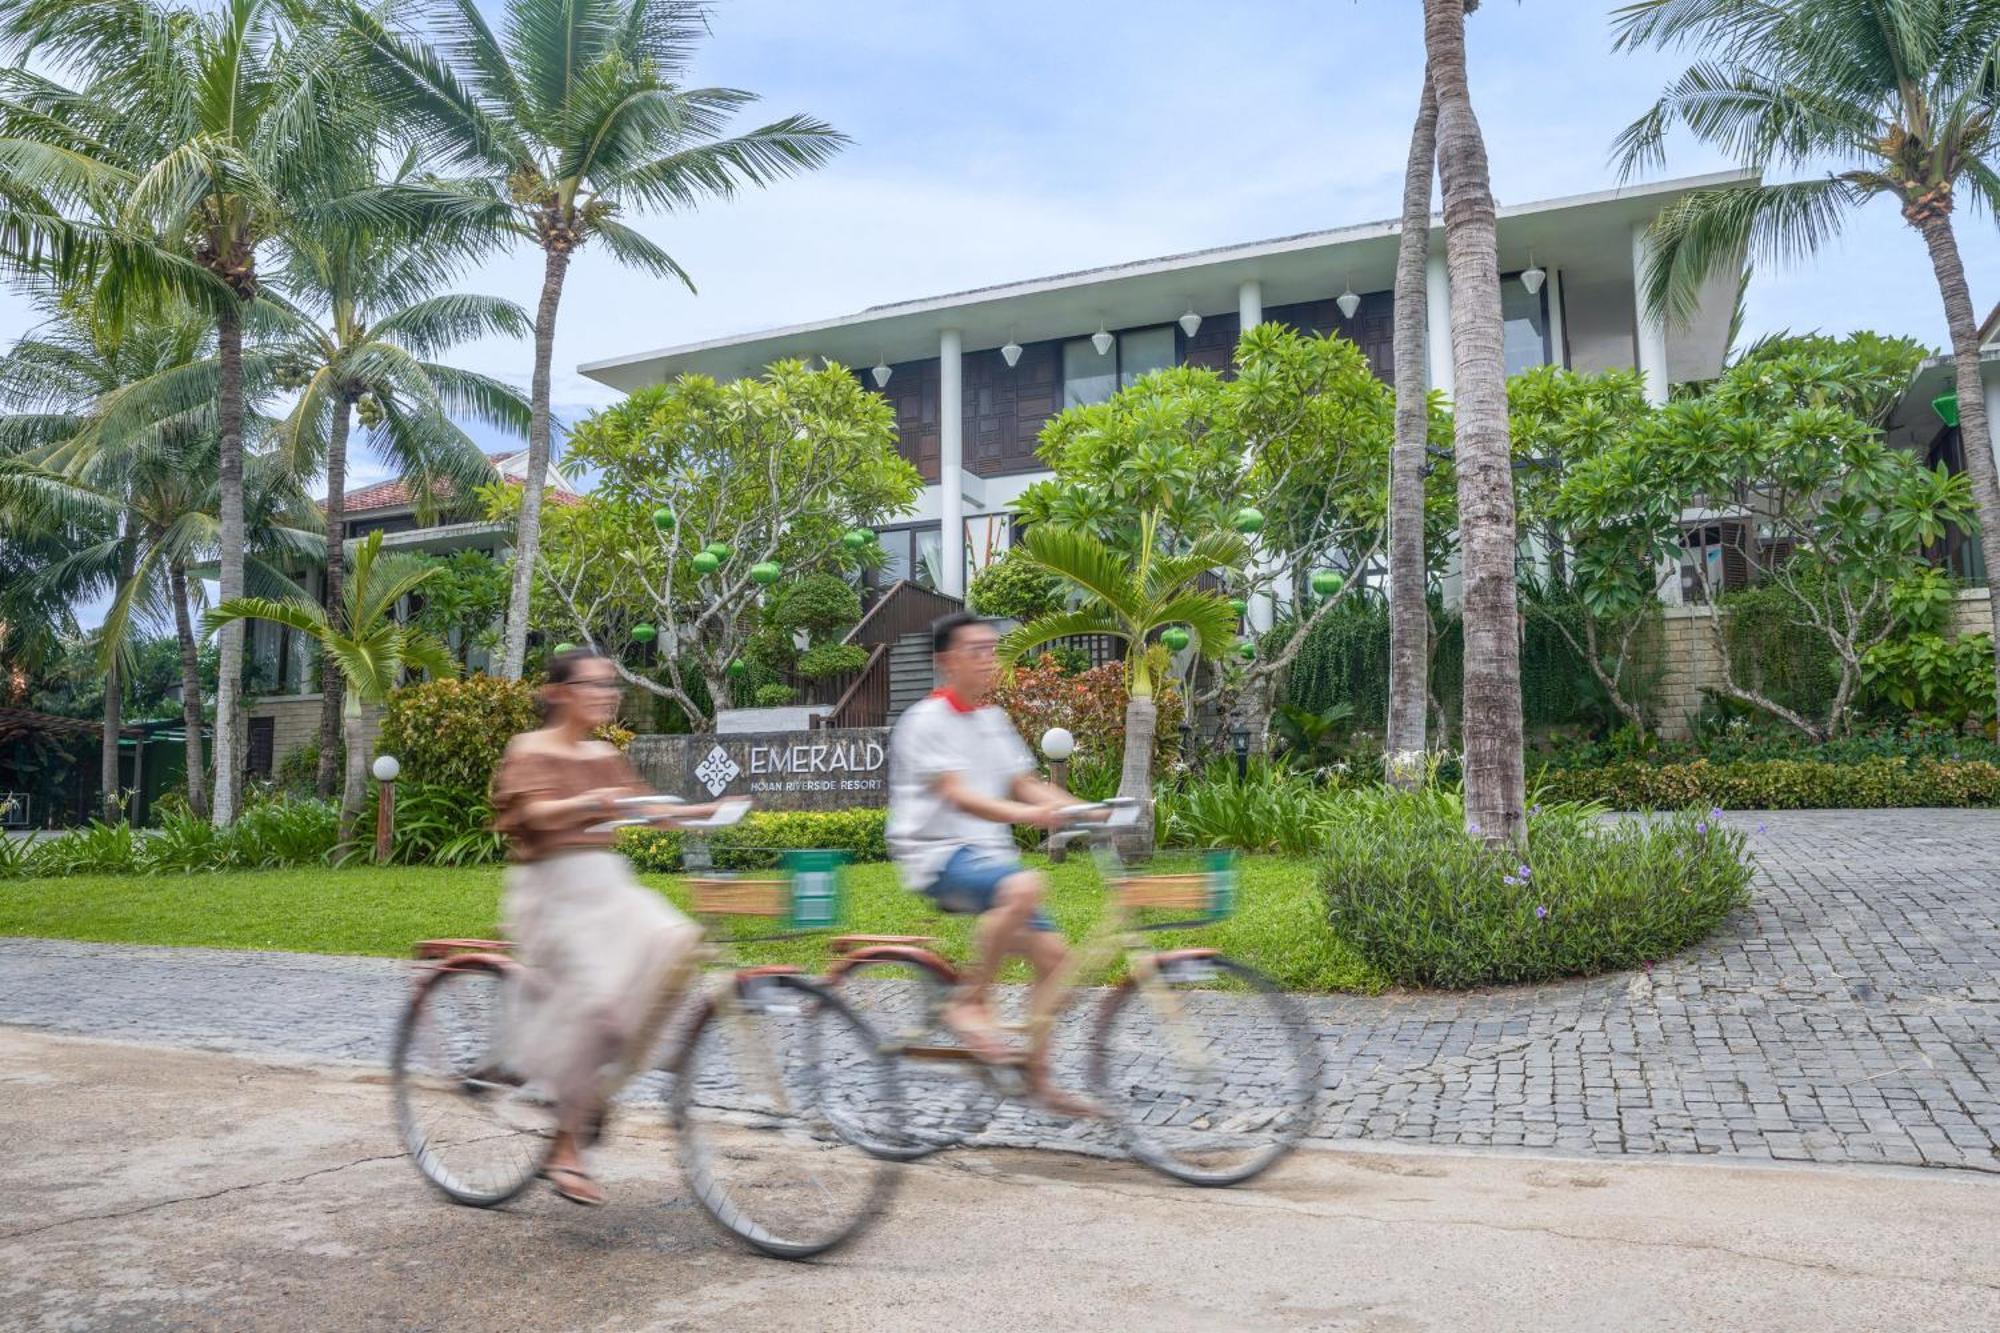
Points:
(1001, 141)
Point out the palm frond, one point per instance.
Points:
(1044, 630)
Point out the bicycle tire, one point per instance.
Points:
(1182, 1121)
(944, 1103)
(475, 1134)
(730, 1131)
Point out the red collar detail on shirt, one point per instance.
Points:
(950, 696)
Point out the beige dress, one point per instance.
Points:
(597, 945)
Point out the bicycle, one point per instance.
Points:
(764, 1061)
(1154, 1064)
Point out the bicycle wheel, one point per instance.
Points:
(765, 1073)
(945, 1100)
(471, 1127)
(1208, 1086)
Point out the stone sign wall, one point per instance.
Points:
(837, 768)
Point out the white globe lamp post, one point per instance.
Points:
(386, 768)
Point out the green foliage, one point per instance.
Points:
(1014, 588)
(831, 659)
(1923, 670)
(776, 696)
(439, 824)
(298, 771)
(821, 604)
(467, 593)
(95, 849)
(1273, 810)
(1070, 661)
(267, 833)
(450, 733)
(757, 841)
(1780, 784)
(1090, 705)
(1427, 906)
(1772, 652)
(1313, 740)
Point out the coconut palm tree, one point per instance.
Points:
(1899, 97)
(191, 131)
(109, 455)
(1495, 783)
(1409, 612)
(1134, 603)
(374, 320)
(572, 112)
(374, 650)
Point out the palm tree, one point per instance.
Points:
(376, 321)
(1900, 95)
(374, 650)
(573, 112)
(1495, 783)
(111, 457)
(192, 131)
(1132, 603)
(1409, 611)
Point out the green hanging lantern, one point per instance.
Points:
(1238, 605)
(1246, 650)
(1946, 406)
(1249, 520)
(765, 573)
(720, 550)
(644, 633)
(856, 538)
(1326, 582)
(707, 562)
(562, 648)
(737, 670)
(1174, 637)
(663, 519)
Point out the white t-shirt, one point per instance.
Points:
(934, 738)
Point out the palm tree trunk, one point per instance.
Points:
(197, 786)
(355, 786)
(1975, 434)
(229, 425)
(114, 689)
(1409, 617)
(331, 682)
(528, 531)
(1495, 783)
(1135, 780)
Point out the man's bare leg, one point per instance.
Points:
(998, 934)
(1049, 955)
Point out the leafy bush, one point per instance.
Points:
(15, 856)
(444, 826)
(1273, 810)
(282, 833)
(184, 843)
(97, 848)
(1780, 784)
(819, 604)
(758, 840)
(1913, 738)
(1013, 588)
(1428, 906)
(1091, 705)
(298, 771)
(451, 733)
(776, 696)
(1070, 661)
(832, 659)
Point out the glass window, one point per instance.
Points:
(911, 553)
(1144, 351)
(1527, 324)
(1088, 375)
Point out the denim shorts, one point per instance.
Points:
(970, 881)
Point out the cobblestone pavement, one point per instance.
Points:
(1851, 1015)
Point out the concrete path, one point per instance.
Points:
(144, 1189)
(1851, 1015)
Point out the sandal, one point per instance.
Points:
(984, 1044)
(575, 1184)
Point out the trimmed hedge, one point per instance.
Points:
(756, 843)
(1778, 784)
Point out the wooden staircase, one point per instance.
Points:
(896, 631)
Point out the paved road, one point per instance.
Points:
(143, 1189)
(1851, 1015)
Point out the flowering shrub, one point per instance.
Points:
(1780, 784)
(450, 733)
(1091, 704)
(1428, 906)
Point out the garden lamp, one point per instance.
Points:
(386, 768)
(1190, 322)
(1239, 738)
(1058, 745)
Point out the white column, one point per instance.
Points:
(1558, 333)
(1249, 305)
(951, 465)
(1650, 337)
(1437, 318)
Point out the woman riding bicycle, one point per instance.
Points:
(597, 946)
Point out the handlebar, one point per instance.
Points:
(730, 813)
(1124, 813)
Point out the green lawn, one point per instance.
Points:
(1279, 927)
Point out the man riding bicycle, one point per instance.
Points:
(959, 777)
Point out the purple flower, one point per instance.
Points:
(1760, 827)
(1715, 812)
(1473, 827)
(1541, 912)
(1510, 881)
(1702, 827)
(1524, 873)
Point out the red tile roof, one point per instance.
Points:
(395, 495)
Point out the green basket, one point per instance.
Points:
(1221, 868)
(818, 884)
